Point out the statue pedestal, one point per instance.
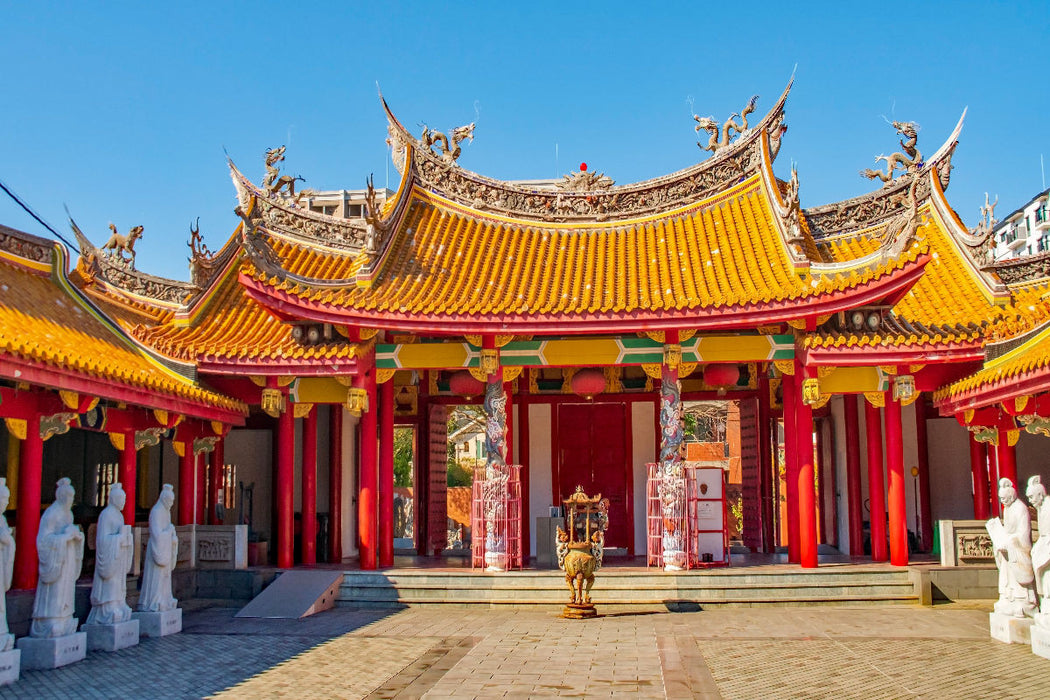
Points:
(10, 662)
(1041, 641)
(1012, 630)
(159, 624)
(112, 637)
(573, 611)
(52, 652)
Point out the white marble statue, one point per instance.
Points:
(114, 548)
(1012, 542)
(1036, 493)
(7, 560)
(162, 550)
(60, 547)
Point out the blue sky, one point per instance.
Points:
(122, 110)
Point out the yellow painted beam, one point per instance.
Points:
(739, 348)
(581, 351)
(432, 355)
(319, 390)
(852, 380)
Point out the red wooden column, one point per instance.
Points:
(187, 487)
(128, 464)
(805, 491)
(766, 477)
(854, 497)
(979, 474)
(386, 473)
(923, 463)
(215, 488)
(27, 515)
(876, 488)
(367, 504)
(284, 486)
(200, 463)
(993, 480)
(896, 502)
(789, 391)
(1007, 460)
(335, 483)
(308, 528)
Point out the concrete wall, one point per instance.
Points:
(643, 451)
(252, 452)
(349, 519)
(951, 491)
(541, 479)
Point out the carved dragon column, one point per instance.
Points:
(672, 474)
(494, 494)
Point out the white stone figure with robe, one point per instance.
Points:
(1036, 494)
(114, 549)
(7, 560)
(1012, 542)
(60, 547)
(162, 551)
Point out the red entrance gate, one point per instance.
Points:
(592, 453)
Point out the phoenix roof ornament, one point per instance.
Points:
(910, 161)
(713, 128)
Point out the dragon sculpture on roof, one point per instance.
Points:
(910, 160)
(721, 135)
(450, 150)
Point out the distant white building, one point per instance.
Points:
(344, 204)
(1025, 231)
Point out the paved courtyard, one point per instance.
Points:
(888, 652)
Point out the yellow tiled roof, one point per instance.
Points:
(450, 261)
(235, 328)
(42, 323)
(946, 305)
(1009, 368)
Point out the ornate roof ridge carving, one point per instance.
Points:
(888, 201)
(1022, 270)
(26, 245)
(280, 213)
(97, 267)
(730, 164)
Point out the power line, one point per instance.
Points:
(29, 210)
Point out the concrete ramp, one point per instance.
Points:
(295, 594)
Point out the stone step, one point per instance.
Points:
(635, 590)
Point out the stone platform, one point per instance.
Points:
(10, 663)
(112, 637)
(158, 624)
(1040, 641)
(1008, 629)
(52, 652)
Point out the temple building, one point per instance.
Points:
(883, 370)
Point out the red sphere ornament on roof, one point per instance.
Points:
(465, 384)
(588, 383)
(583, 167)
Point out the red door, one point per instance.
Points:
(592, 453)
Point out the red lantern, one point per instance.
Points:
(465, 384)
(588, 383)
(721, 375)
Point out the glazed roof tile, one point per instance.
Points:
(43, 323)
(1006, 370)
(449, 261)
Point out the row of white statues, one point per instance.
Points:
(53, 638)
(1024, 567)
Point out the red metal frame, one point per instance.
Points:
(694, 499)
(507, 526)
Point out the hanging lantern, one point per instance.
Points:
(588, 383)
(272, 402)
(356, 401)
(463, 383)
(721, 375)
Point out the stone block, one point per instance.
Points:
(1041, 641)
(1011, 630)
(10, 663)
(159, 624)
(52, 652)
(112, 637)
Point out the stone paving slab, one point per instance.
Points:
(942, 652)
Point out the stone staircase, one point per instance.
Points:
(621, 589)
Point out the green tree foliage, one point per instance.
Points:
(404, 439)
